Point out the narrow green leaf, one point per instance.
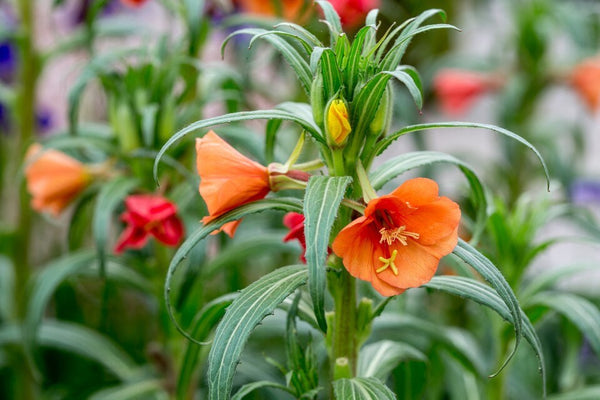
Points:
(456, 342)
(286, 204)
(132, 391)
(381, 146)
(79, 340)
(408, 161)
(321, 202)
(235, 117)
(546, 280)
(380, 358)
(591, 392)
(289, 52)
(110, 196)
(367, 102)
(97, 66)
(580, 311)
(204, 322)
(246, 311)
(362, 389)
(485, 295)
(490, 273)
(250, 387)
(410, 78)
(332, 19)
(332, 79)
(306, 35)
(352, 68)
(7, 291)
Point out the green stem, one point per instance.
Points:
(344, 321)
(28, 74)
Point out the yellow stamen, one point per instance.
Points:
(400, 234)
(388, 262)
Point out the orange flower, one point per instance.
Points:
(228, 179)
(457, 89)
(399, 241)
(585, 78)
(133, 3)
(53, 178)
(291, 10)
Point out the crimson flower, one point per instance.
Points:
(400, 240)
(457, 89)
(295, 223)
(353, 12)
(149, 215)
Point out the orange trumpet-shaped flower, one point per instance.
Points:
(228, 179)
(291, 10)
(53, 178)
(585, 78)
(399, 241)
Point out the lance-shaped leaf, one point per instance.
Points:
(362, 389)
(408, 161)
(204, 322)
(485, 295)
(321, 202)
(250, 387)
(246, 311)
(111, 195)
(290, 53)
(79, 340)
(236, 117)
(285, 204)
(146, 389)
(332, 19)
(382, 145)
(490, 273)
(380, 358)
(580, 311)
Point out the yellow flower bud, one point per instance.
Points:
(338, 126)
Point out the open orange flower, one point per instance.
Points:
(53, 178)
(228, 179)
(585, 78)
(291, 10)
(399, 241)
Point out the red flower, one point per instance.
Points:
(149, 215)
(295, 223)
(228, 179)
(585, 78)
(133, 3)
(457, 89)
(353, 12)
(399, 241)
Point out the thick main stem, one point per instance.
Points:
(344, 329)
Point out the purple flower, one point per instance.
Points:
(585, 191)
(8, 61)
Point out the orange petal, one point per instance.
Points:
(416, 266)
(417, 191)
(433, 221)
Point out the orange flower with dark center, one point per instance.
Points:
(228, 179)
(457, 89)
(54, 179)
(400, 240)
(585, 78)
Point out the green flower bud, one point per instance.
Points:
(383, 116)
(123, 123)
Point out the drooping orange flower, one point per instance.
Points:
(585, 78)
(228, 179)
(54, 179)
(458, 89)
(399, 241)
(291, 10)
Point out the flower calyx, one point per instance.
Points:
(282, 178)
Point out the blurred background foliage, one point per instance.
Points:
(108, 82)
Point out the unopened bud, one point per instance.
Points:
(337, 125)
(317, 99)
